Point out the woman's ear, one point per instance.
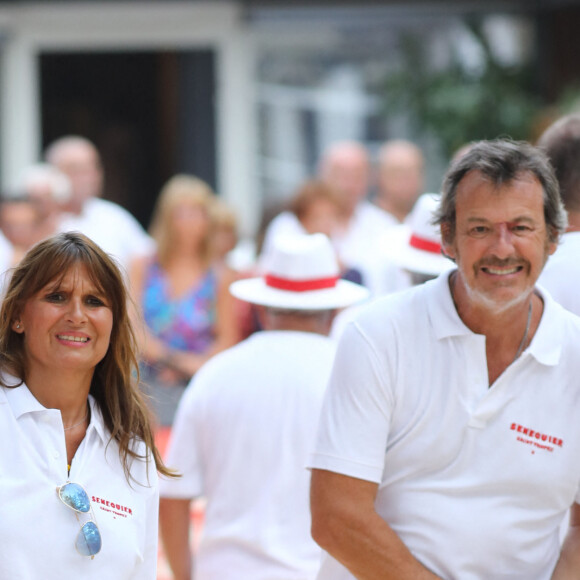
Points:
(17, 327)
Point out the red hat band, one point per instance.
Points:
(424, 244)
(300, 285)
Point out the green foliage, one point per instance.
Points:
(458, 105)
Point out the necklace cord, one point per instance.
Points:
(452, 282)
(77, 424)
(525, 337)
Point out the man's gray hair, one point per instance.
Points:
(501, 162)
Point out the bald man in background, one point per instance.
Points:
(400, 178)
(108, 224)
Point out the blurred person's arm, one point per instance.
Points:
(174, 526)
(346, 525)
(152, 349)
(568, 566)
(227, 331)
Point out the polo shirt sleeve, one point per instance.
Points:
(356, 414)
(147, 568)
(183, 450)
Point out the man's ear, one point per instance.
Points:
(448, 240)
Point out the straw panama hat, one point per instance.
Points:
(301, 273)
(416, 245)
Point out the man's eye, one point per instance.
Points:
(521, 229)
(479, 230)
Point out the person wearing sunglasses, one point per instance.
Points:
(79, 483)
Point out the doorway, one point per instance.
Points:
(150, 114)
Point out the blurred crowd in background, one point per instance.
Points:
(179, 271)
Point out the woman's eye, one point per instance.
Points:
(55, 297)
(94, 301)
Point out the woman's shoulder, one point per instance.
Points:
(142, 267)
(223, 274)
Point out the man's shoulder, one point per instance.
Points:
(369, 213)
(556, 314)
(267, 344)
(262, 354)
(100, 207)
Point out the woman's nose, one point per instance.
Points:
(76, 311)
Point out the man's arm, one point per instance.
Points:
(346, 525)
(174, 522)
(568, 567)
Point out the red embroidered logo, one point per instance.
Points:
(536, 439)
(111, 506)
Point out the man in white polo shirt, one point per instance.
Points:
(246, 423)
(449, 444)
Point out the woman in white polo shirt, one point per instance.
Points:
(78, 490)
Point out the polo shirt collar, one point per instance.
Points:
(97, 422)
(443, 317)
(20, 398)
(22, 401)
(546, 346)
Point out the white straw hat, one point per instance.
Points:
(301, 273)
(416, 245)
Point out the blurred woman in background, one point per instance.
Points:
(184, 298)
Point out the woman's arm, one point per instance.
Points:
(227, 330)
(151, 348)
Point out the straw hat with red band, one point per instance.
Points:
(301, 273)
(416, 245)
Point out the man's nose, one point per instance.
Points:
(503, 240)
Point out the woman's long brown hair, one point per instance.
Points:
(116, 377)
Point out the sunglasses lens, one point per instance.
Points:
(75, 497)
(89, 540)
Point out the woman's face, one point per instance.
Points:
(189, 221)
(66, 327)
(322, 216)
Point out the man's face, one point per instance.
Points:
(348, 173)
(501, 240)
(81, 164)
(401, 177)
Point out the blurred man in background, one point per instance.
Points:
(105, 222)
(400, 178)
(561, 276)
(247, 421)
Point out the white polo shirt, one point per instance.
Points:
(38, 531)
(113, 228)
(241, 438)
(475, 480)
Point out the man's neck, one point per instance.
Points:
(507, 331)
(398, 213)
